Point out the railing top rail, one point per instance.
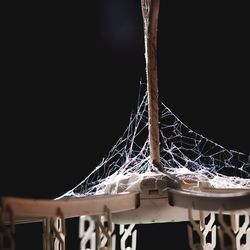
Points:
(33, 210)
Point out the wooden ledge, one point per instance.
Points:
(32, 210)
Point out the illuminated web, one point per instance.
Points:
(185, 155)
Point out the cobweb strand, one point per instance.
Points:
(185, 154)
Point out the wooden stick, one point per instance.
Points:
(150, 11)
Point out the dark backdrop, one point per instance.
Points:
(71, 78)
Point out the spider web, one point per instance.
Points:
(185, 154)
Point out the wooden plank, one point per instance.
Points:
(26, 209)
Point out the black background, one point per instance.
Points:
(70, 79)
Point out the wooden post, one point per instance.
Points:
(150, 11)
